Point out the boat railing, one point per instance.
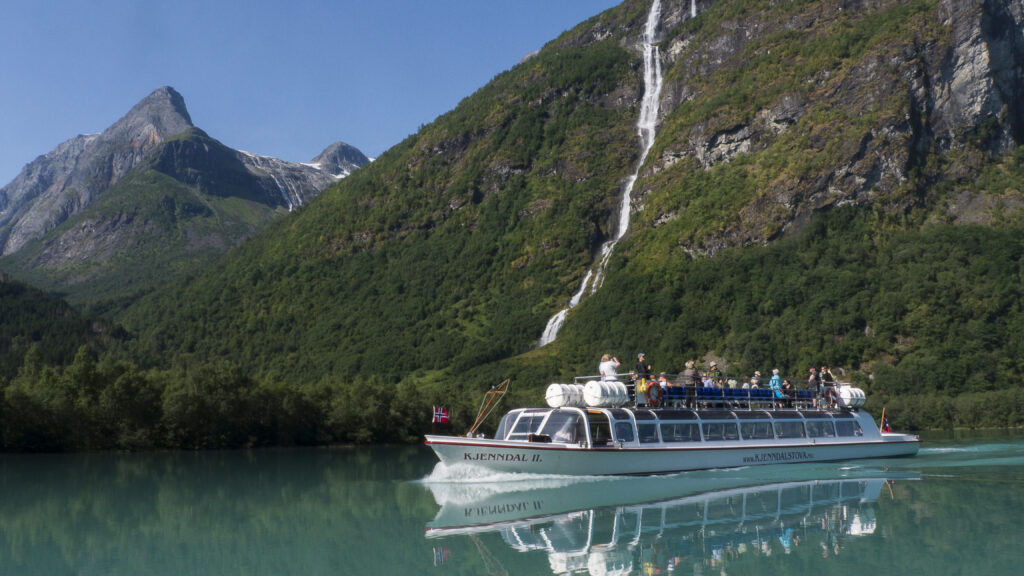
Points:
(724, 392)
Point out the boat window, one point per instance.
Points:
(680, 432)
(600, 429)
(528, 423)
(648, 433)
(506, 423)
(721, 431)
(716, 415)
(789, 429)
(624, 431)
(643, 415)
(677, 415)
(751, 414)
(786, 415)
(820, 429)
(756, 430)
(562, 426)
(848, 428)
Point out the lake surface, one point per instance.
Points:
(956, 508)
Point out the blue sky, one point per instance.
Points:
(279, 78)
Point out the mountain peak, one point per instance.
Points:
(340, 159)
(161, 114)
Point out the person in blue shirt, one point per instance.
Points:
(776, 384)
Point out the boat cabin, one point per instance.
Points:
(646, 428)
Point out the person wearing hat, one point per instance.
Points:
(691, 379)
(755, 380)
(641, 377)
(714, 372)
(643, 369)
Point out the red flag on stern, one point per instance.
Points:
(885, 422)
(440, 415)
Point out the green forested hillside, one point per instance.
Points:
(448, 251)
(813, 197)
(43, 324)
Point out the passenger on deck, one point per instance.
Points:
(639, 379)
(814, 385)
(828, 386)
(755, 380)
(788, 392)
(643, 369)
(776, 384)
(714, 372)
(827, 377)
(691, 379)
(609, 367)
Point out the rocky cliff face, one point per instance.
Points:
(833, 103)
(63, 182)
(212, 168)
(109, 216)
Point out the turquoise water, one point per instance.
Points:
(956, 508)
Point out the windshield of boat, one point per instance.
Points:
(528, 423)
(506, 423)
(600, 428)
(564, 426)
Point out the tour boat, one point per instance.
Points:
(587, 429)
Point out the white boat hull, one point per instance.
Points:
(567, 459)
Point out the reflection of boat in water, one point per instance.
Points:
(589, 431)
(707, 519)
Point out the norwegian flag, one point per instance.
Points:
(440, 556)
(440, 415)
(885, 423)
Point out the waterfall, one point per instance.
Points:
(258, 161)
(284, 193)
(646, 128)
(693, 8)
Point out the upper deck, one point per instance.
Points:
(675, 427)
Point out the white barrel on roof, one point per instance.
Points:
(851, 397)
(606, 394)
(563, 395)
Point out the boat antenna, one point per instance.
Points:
(487, 405)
